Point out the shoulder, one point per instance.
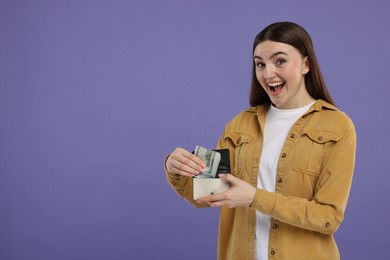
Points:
(329, 118)
(247, 118)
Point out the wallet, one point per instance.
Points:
(224, 164)
(205, 187)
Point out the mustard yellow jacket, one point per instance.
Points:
(312, 185)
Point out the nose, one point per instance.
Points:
(269, 72)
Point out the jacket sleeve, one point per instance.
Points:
(325, 212)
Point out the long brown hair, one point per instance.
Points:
(296, 36)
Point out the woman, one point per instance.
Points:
(292, 158)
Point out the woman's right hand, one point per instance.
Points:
(184, 163)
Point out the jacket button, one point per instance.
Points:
(274, 226)
(327, 224)
(292, 135)
(272, 252)
(320, 138)
(283, 155)
(280, 180)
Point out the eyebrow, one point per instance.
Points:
(273, 55)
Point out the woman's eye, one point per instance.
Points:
(260, 65)
(280, 61)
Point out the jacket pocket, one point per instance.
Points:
(240, 144)
(312, 150)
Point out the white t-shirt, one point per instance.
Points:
(277, 126)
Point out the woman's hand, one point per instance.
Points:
(240, 194)
(184, 163)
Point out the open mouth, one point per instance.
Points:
(276, 87)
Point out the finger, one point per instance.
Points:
(229, 178)
(194, 159)
(217, 203)
(190, 156)
(192, 162)
(178, 161)
(183, 169)
(213, 198)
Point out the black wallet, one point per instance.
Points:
(224, 163)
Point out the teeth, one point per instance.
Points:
(274, 84)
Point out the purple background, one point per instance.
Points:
(94, 94)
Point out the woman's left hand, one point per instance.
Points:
(240, 194)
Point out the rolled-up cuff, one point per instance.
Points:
(264, 201)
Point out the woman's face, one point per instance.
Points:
(280, 70)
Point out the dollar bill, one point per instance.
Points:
(211, 159)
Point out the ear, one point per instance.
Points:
(306, 66)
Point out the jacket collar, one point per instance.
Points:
(317, 106)
(320, 105)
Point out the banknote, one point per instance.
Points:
(211, 159)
